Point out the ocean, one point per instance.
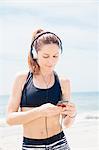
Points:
(86, 103)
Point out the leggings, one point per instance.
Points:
(56, 142)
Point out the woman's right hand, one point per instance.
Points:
(48, 110)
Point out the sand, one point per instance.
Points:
(83, 135)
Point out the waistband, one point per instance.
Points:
(49, 140)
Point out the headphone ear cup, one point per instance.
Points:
(34, 54)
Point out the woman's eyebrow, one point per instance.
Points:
(49, 54)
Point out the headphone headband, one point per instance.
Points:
(43, 34)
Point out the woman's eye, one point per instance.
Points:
(45, 56)
(48, 56)
(55, 56)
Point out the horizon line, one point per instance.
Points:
(71, 92)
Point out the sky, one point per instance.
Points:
(75, 22)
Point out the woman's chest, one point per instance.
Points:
(36, 97)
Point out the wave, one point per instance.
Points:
(3, 122)
(88, 116)
(92, 117)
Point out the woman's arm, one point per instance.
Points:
(13, 116)
(70, 114)
(70, 110)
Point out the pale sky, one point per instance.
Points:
(75, 22)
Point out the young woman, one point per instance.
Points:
(37, 93)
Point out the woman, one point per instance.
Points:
(37, 93)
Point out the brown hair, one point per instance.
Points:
(43, 39)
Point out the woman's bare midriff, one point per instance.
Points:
(36, 129)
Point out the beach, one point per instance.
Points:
(76, 24)
(83, 135)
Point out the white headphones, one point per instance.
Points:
(33, 52)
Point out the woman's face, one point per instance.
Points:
(48, 56)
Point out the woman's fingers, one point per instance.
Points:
(70, 109)
(49, 109)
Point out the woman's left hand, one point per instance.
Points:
(69, 110)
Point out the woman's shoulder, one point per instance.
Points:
(21, 75)
(65, 86)
(20, 78)
(64, 81)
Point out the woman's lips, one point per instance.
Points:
(50, 66)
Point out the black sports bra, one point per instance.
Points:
(34, 97)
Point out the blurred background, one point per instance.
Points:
(76, 23)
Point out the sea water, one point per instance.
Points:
(86, 102)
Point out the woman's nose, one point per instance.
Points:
(51, 61)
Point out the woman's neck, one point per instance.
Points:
(45, 74)
(44, 80)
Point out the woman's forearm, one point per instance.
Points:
(16, 118)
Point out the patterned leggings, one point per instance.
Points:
(56, 142)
